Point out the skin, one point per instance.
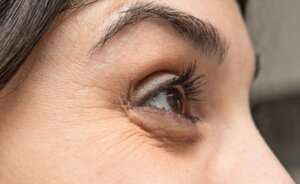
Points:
(61, 120)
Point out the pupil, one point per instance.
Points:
(175, 101)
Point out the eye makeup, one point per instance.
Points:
(187, 85)
(155, 105)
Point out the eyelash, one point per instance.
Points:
(192, 86)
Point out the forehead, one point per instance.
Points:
(224, 15)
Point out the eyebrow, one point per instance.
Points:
(200, 33)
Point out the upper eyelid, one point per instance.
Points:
(155, 82)
(191, 83)
(202, 34)
(157, 90)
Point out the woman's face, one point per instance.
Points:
(127, 92)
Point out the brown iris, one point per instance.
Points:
(169, 100)
(175, 100)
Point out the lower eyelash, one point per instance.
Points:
(192, 119)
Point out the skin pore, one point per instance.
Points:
(86, 106)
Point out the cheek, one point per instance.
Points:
(97, 144)
(71, 147)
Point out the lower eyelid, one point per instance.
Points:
(168, 131)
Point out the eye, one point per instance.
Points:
(171, 100)
(165, 105)
(171, 94)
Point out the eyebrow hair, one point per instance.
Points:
(201, 33)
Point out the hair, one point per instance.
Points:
(23, 23)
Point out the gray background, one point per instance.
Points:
(274, 27)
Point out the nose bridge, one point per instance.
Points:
(264, 165)
(245, 154)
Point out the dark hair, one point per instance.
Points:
(22, 24)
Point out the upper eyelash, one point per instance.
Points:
(193, 86)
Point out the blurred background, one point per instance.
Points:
(274, 27)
